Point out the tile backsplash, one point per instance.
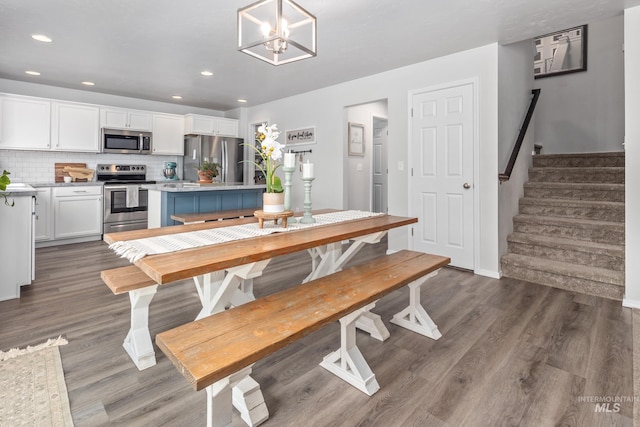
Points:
(39, 166)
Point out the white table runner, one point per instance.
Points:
(134, 250)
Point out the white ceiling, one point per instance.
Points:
(153, 49)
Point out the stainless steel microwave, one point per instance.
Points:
(126, 141)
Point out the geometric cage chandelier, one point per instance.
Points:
(277, 31)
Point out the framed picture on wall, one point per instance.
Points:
(561, 52)
(356, 139)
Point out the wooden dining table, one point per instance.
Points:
(223, 273)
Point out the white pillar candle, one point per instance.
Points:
(289, 160)
(307, 170)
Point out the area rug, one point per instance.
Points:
(32, 387)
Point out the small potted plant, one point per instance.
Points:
(207, 171)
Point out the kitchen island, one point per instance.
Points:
(166, 199)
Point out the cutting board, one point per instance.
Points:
(60, 173)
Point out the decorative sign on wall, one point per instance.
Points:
(301, 136)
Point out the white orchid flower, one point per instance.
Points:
(272, 148)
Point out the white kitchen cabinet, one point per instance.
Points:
(75, 127)
(77, 211)
(168, 137)
(16, 251)
(25, 123)
(120, 118)
(44, 215)
(209, 125)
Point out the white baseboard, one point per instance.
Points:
(488, 273)
(630, 303)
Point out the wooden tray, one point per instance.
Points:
(60, 173)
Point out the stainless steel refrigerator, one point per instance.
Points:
(228, 152)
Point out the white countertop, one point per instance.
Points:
(20, 189)
(183, 187)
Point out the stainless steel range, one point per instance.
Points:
(125, 202)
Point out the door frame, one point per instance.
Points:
(474, 82)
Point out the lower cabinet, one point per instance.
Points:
(68, 214)
(77, 211)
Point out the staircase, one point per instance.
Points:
(569, 233)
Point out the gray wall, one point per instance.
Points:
(584, 111)
(515, 81)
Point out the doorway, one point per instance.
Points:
(443, 159)
(366, 169)
(379, 168)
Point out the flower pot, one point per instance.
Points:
(273, 202)
(204, 177)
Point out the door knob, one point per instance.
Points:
(466, 186)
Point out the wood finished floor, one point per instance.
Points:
(511, 353)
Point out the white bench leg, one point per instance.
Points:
(348, 362)
(137, 343)
(415, 317)
(221, 396)
(331, 260)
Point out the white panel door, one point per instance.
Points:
(442, 173)
(379, 169)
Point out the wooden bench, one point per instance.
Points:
(217, 352)
(212, 216)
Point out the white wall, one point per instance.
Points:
(515, 81)
(324, 108)
(632, 161)
(358, 169)
(584, 111)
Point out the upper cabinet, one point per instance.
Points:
(75, 127)
(168, 137)
(208, 125)
(25, 123)
(120, 118)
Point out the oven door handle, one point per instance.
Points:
(120, 187)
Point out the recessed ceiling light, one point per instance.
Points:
(41, 38)
(88, 83)
(242, 100)
(206, 73)
(176, 97)
(32, 73)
